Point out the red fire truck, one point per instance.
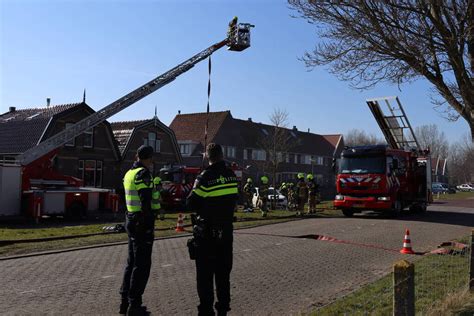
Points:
(385, 177)
(177, 182)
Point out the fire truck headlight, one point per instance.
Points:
(383, 198)
(77, 194)
(339, 197)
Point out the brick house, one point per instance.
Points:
(91, 156)
(132, 134)
(243, 142)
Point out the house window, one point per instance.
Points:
(259, 154)
(89, 138)
(72, 142)
(90, 171)
(185, 149)
(153, 142)
(297, 158)
(229, 151)
(307, 159)
(245, 154)
(279, 157)
(320, 160)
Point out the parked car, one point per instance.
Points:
(272, 193)
(437, 187)
(465, 187)
(450, 188)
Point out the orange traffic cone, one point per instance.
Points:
(179, 224)
(407, 244)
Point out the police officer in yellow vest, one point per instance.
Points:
(142, 201)
(214, 198)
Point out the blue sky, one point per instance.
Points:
(57, 48)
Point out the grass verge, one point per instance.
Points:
(455, 196)
(436, 276)
(57, 228)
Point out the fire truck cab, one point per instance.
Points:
(385, 177)
(177, 183)
(381, 179)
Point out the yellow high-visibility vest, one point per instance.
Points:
(132, 185)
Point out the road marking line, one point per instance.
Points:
(30, 291)
(278, 244)
(107, 276)
(166, 265)
(247, 250)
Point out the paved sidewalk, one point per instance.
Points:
(272, 275)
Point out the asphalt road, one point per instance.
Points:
(273, 274)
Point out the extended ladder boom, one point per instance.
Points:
(95, 119)
(238, 40)
(395, 126)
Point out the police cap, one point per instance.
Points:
(145, 152)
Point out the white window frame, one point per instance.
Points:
(72, 142)
(91, 133)
(245, 154)
(185, 152)
(230, 151)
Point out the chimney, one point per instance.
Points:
(250, 119)
(12, 109)
(179, 112)
(294, 128)
(308, 130)
(48, 102)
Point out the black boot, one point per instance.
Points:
(123, 307)
(137, 311)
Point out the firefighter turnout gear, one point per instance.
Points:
(248, 192)
(313, 194)
(263, 196)
(213, 198)
(302, 192)
(141, 201)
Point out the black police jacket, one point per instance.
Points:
(214, 195)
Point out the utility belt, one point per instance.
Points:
(204, 233)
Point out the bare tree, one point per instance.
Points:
(460, 163)
(357, 137)
(278, 141)
(369, 41)
(429, 136)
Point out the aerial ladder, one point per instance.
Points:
(238, 39)
(38, 183)
(399, 135)
(395, 125)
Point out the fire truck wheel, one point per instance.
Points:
(418, 208)
(348, 212)
(76, 210)
(397, 208)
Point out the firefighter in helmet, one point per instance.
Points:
(284, 191)
(302, 190)
(231, 32)
(248, 190)
(313, 191)
(263, 195)
(157, 196)
(292, 196)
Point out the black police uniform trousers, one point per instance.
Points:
(214, 262)
(137, 270)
